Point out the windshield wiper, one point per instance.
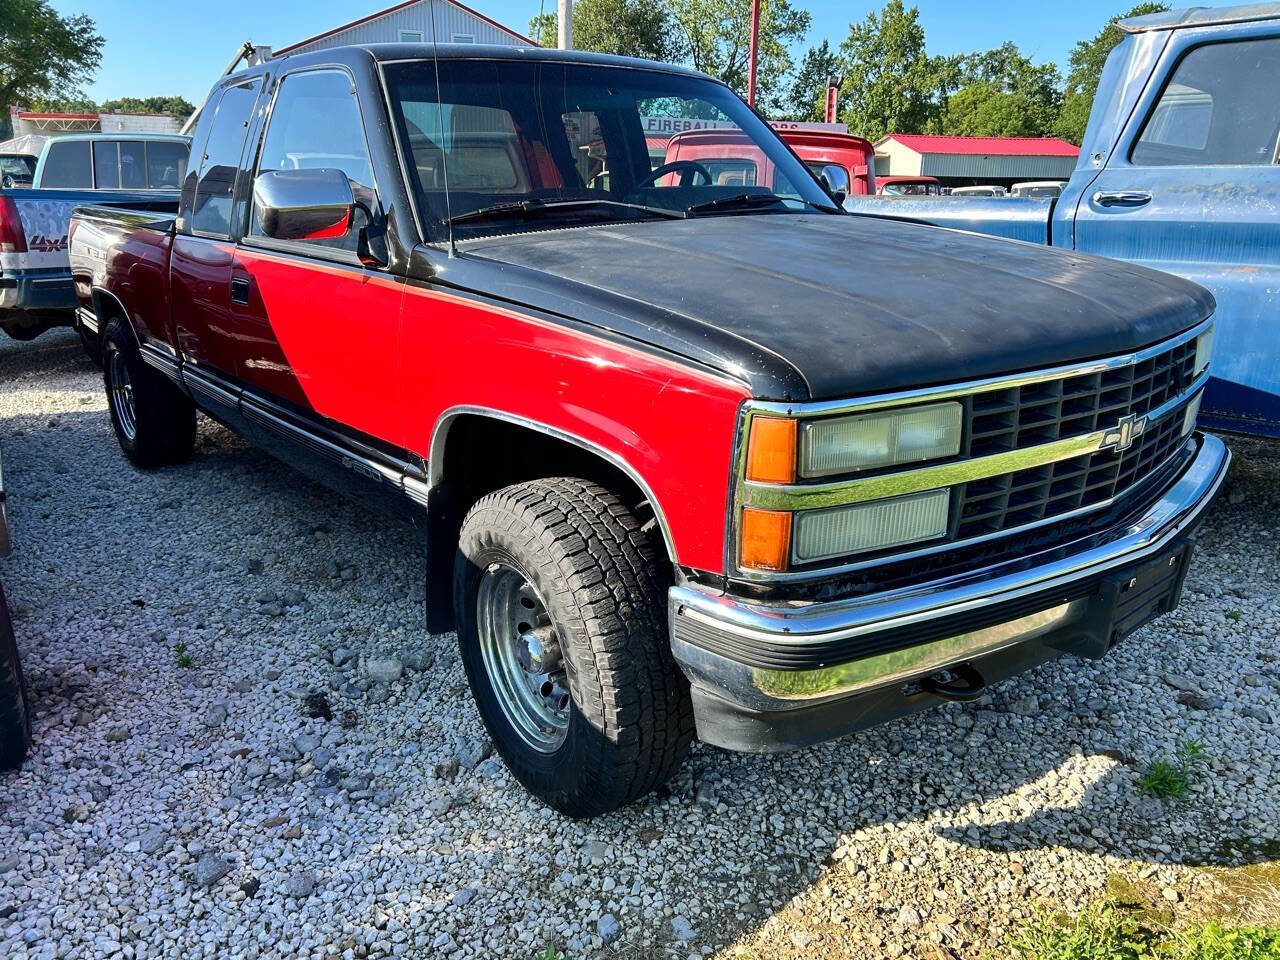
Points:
(537, 207)
(750, 201)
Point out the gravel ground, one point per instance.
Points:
(246, 745)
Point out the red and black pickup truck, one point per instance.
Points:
(691, 458)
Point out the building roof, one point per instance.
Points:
(395, 8)
(984, 146)
(1200, 17)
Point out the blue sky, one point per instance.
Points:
(153, 49)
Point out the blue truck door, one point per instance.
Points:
(1193, 188)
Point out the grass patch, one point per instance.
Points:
(1110, 933)
(1234, 615)
(1171, 779)
(180, 655)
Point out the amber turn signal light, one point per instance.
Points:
(766, 539)
(771, 450)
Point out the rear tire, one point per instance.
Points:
(15, 711)
(154, 421)
(571, 561)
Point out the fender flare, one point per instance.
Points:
(440, 435)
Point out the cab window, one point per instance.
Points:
(1221, 106)
(314, 125)
(67, 166)
(221, 160)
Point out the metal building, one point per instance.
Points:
(968, 161)
(412, 22)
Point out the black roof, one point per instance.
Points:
(384, 52)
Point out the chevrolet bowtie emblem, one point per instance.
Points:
(1121, 437)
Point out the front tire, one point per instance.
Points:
(154, 421)
(15, 711)
(561, 613)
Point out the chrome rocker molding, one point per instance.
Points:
(1176, 511)
(440, 434)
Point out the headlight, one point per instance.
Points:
(875, 525)
(868, 441)
(1204, 347)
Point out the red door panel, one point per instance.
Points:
(200, 278)
(322, 336)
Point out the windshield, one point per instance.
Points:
(514, 145)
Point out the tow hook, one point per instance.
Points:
(961, 683)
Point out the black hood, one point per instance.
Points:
(836, 306)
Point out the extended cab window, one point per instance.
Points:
(67, 166)
(315, 125)
(1221, 106)
(221, 160)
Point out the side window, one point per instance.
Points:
(133, 165)
(221, 160)
(1220, 106)
(67, 165)
(166, 164)
(106, 165)
(315, 124)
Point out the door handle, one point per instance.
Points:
(240, 291)
(1121, 198)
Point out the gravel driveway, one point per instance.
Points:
(246, 745)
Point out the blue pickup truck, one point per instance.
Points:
(1178, 171)
(138, 170)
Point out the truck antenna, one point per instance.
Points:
(444, 165)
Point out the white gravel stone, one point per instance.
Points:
(968, 814)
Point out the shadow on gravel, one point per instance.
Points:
(1047, 762)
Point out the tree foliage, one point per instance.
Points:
(629, 28)
(1002, 94)
(716, 36)
(43, 54)
(1085, 70)
(807, 98)
(176, 106)
(891, 84)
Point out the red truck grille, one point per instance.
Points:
(1026, 416)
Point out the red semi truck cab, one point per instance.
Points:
(685, 466)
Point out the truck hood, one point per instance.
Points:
(837, 306)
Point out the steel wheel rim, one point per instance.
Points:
(520, 651)
(122, 395)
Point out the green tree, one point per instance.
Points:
(1002, 94)
(1086, 62)
(715, 36)
(543, 27)
(43, 54)
(808, 95)
(629, 28)
(891, 85)
(176, 106)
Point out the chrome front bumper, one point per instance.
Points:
(751, 659)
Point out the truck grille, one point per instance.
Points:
(1038, 413)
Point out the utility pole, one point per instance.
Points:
(753, 52)
(564, 25)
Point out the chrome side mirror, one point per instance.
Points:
(304, 204)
